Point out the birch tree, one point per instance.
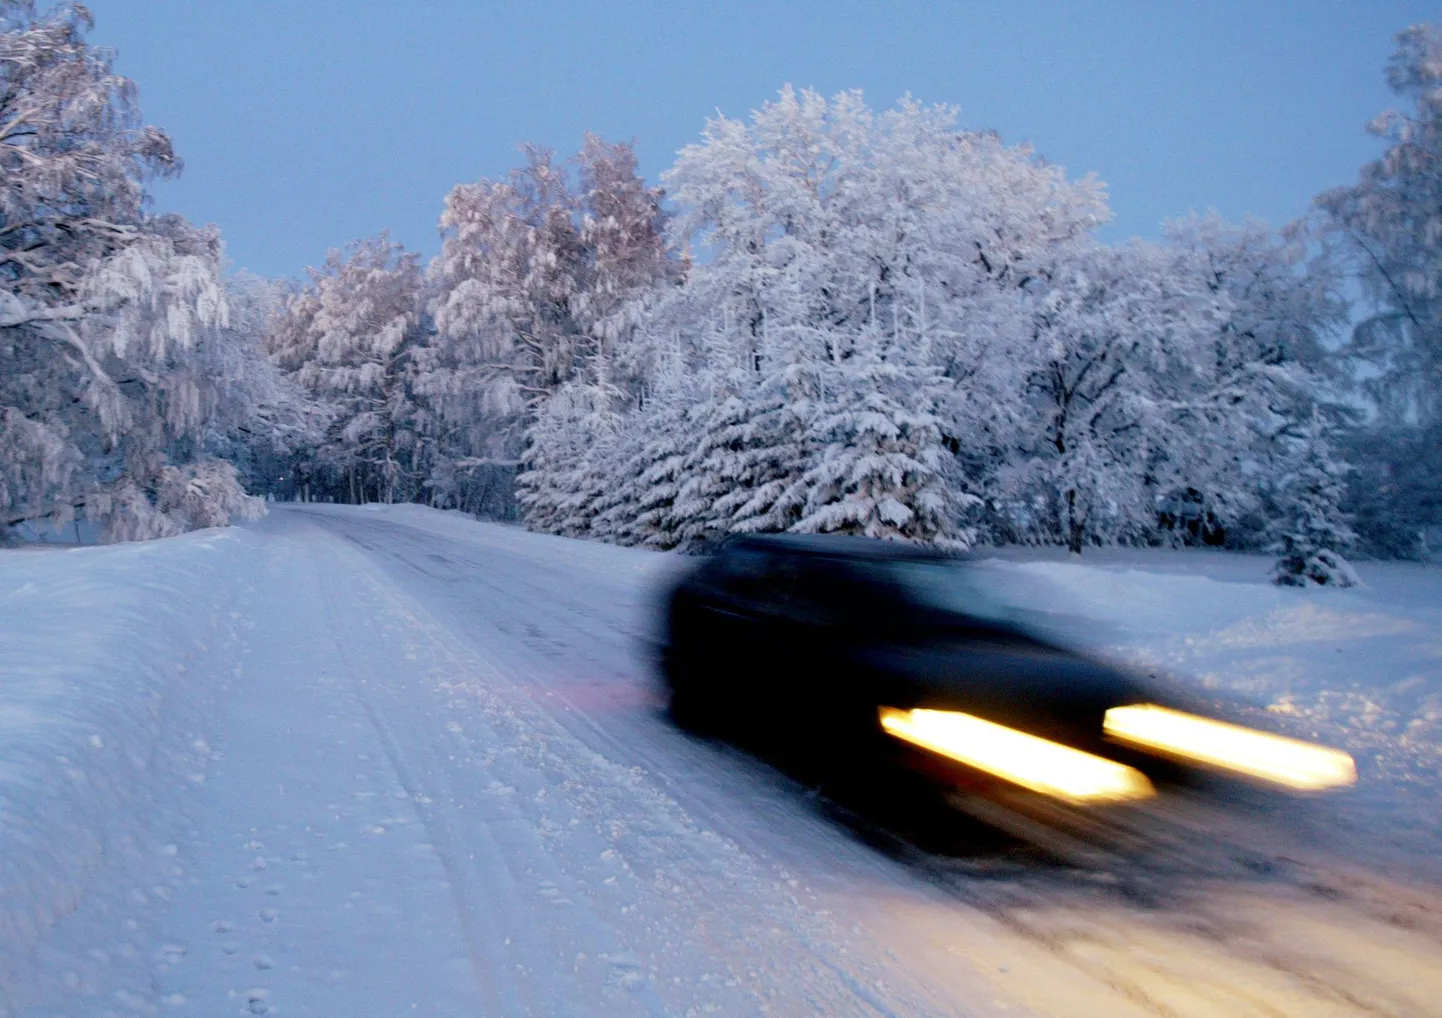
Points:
(104, 309)
(542, 277)
(351, 338)
(1386, 229)
(1388, 226)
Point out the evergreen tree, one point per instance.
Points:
(1311, 531)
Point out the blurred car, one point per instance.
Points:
(850, 652)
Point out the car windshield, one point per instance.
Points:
(950, 587)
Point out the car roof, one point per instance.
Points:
(836, 545)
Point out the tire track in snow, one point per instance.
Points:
(688, 904)
(1204, 933)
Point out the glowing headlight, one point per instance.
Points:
(1027, 760)
(1199, 740)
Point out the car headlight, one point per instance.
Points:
(1026, 760)
(1227, 747)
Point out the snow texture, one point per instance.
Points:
(388, 760)
(109, 689)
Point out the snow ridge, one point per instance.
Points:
(109, 686)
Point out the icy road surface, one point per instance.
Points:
(434, 780)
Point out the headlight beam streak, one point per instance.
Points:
(1026, 760)
(1246, 751)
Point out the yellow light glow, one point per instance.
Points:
(1027, 760)
(1274, 758)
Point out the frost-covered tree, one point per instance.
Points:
(107, 315)
(1388, 226)
(628, 258)
(1312, 535)
(646, 464)
(508, 275)
(568, 455)
(880, 468)
(351, 339)
(1117, 334)
(540, 277)
(1259, 377)
(1387, 230)
(1394, 491)
(265, 422)
(851, 315)
(1168, 387)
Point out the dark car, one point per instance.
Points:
(852, 652)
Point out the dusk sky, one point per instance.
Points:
(307, 125)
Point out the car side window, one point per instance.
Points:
(767, 583)
(742, 571)
(853, 595)
(784, 589)
(803, 589)
(809, 589)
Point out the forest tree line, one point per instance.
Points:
(827, 319)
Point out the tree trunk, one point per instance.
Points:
(1076, 525)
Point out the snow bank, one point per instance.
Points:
(107, 682)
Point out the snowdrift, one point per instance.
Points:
(109, 679)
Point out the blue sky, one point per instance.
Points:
(305, 125)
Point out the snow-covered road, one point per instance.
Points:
(436, 781)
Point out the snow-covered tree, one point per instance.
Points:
(1118, 331)
(1388, 226)
(1257, 380)
(1386, 229)
(1394, 491)
(537, 282)
(106, 313)
(351, 339)
(568, 454)
(265, 422)
(646, 463)
(628, 258)
(509, 272)
(1312, 535)
(858, 286)
(880, 468)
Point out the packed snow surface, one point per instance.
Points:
(385, 760)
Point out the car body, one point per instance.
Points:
(848, 652)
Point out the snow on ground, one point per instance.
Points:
(386, 760)
(107, 691)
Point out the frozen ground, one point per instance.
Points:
(388, 761)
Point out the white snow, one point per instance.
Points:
(108, 687)
(386, 760)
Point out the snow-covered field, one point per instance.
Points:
(384, 760)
